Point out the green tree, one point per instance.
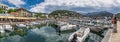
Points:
(11, 10)
(1, 10)
(118, 15)
(62, 13)
(40, 15)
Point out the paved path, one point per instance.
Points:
(116, 36)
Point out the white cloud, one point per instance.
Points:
(76, 5)
(17, 3)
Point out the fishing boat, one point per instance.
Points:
(80, 35)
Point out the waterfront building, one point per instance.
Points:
(4, 18)
(3, 7)
(21, 12)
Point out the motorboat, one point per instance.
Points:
(20, 25)
(81, 35)
(34, 23)
(67, 27)
(61, 23)
(8, 27)
(1, 29)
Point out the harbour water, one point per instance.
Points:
(47, 34)
(44, 34)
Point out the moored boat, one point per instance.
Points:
(80, 35)
(1, 29)
(67, 27)
(8, 27)
(20, 25)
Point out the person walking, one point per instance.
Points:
(114, 24)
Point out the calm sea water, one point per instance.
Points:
(46, 34)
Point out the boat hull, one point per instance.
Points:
(80, 39)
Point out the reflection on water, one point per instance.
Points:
(46, 34)
(94, 38)
(15, 38)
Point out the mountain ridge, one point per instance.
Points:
(61, 13)
(100, 14)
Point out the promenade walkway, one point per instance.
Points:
(115, 37)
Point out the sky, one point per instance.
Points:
(81, 6)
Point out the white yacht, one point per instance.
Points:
(34, 23)
(61, 23)
(81, 35)
(20, 25)
(67, 27)
(1, 29)
(8, 27)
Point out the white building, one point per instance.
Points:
(4, 7)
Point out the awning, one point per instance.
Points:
(12, 17)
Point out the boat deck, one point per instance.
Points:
(115, 37)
